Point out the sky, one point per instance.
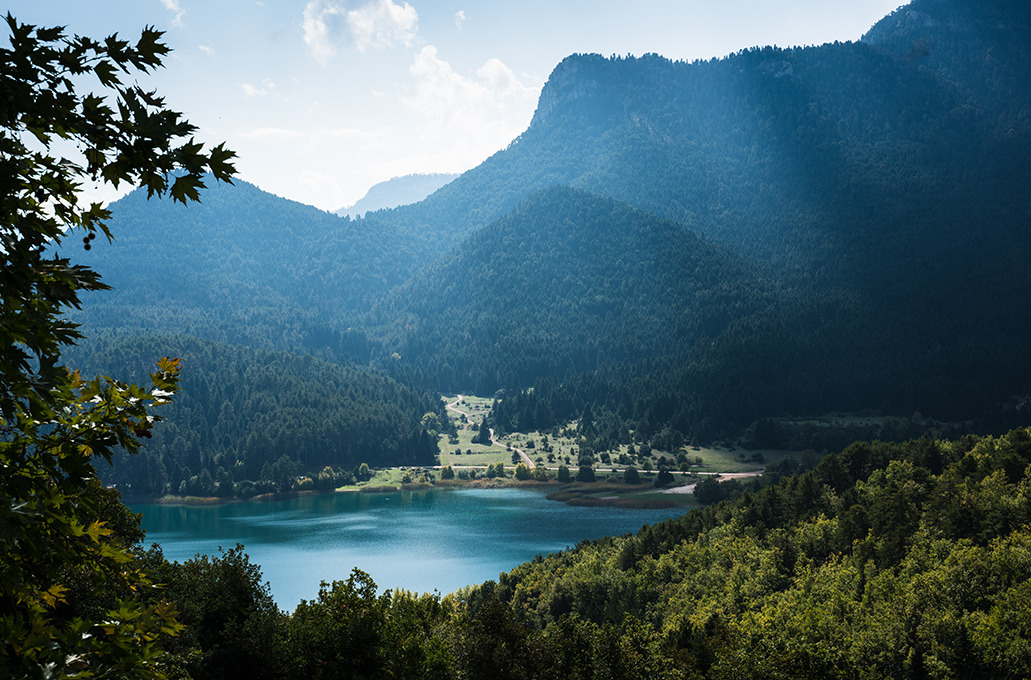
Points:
(321, 99)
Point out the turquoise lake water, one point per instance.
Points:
(424, 541)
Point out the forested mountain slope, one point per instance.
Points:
(592, 301)
(245, 267)
(241, 411)
(907, 561)
(980, 45)
(787, 154)
(874, 175)
(568, 282)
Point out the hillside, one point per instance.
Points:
(784, 154)
(568, 282)
(591, 301)
(396, 192)
(242, 411)
(856, 172)
(245, 267)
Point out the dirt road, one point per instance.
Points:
(453, 406)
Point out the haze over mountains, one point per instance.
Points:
(687, 247)
(396, 192)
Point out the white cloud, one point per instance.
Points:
(173, 5)
(205, 49)
(467, 119)
(268, 88)
(502, 82)
(459, 18)
(330, 25)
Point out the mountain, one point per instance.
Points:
(395, 192)
(978, 45)
(630, 312)
(842, 227)
(246, 267)
(788, 155)
(849, 171)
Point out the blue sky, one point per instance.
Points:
(321, 99)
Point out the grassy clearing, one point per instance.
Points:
(474, 407)
(560, 447)
(472, 454)
(701, 459)
(391, 477)
(479, 455)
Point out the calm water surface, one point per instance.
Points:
(421, 541)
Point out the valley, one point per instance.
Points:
(718, 369)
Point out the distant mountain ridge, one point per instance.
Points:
(397, 192)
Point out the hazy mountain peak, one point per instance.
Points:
(397, 192)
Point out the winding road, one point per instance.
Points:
(453, 406)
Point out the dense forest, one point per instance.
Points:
(252, 421)
(902, 560)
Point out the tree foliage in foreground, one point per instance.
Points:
(58, 557)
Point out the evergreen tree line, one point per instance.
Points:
(256, 421)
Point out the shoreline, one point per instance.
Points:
(577, 494)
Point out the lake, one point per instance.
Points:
(423, 541)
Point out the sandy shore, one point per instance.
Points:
(689, 488)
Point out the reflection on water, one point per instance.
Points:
(420, 541)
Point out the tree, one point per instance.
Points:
(523, 472)
(363, 473)
(53, 422)
(563, 474)
(707, 491)
(587, 419)
(664, 478)
(484, 434)
(631, 476)
(233, 626)
(585, 474)
(339, 634)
